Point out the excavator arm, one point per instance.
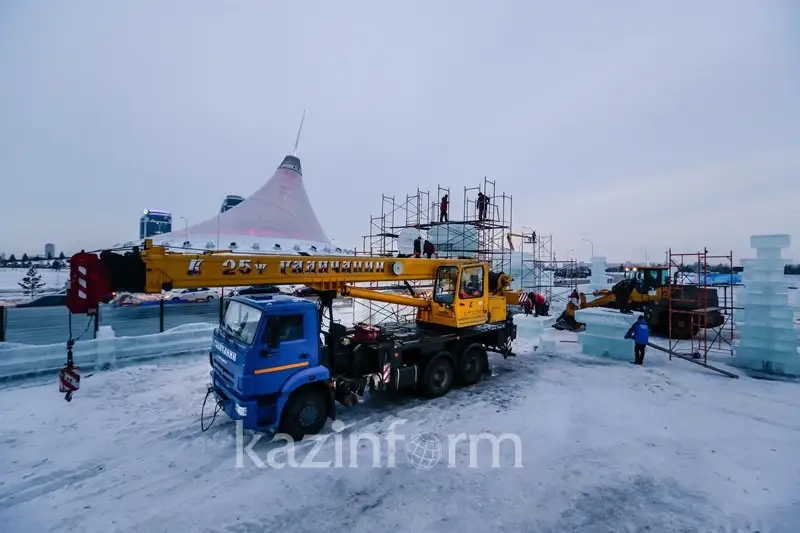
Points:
(95, 277)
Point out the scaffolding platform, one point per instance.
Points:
(480, 233)
(703, 337)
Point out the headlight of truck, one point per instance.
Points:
(240, 410)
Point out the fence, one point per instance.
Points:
(41, 326)
(18, 361)
(50, 325)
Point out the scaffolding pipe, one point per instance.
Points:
(692, 360)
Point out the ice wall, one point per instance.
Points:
(768, 342)
(597, 281)
(605, 333)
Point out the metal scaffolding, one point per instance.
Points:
(702, 338)
(411, 212)
(480, 234)
(493, 223)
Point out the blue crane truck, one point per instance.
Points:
(275, 368)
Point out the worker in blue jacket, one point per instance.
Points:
(640, 333)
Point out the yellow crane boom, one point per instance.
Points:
(465, 292)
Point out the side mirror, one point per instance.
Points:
(273, 332)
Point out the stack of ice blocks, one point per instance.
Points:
(605, 332)
(768, 341)
(597, 281)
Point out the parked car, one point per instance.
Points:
(193, 295)
(49, 300)
(255, 289)
(304, 292)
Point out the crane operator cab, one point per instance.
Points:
(648, 278)
(462, 297)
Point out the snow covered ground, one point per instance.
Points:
(604, 447)
(10, 291)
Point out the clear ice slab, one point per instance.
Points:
(767, 339)
(765, 315)
(781, 240)
(605, 333)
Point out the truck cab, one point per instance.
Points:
(265, 350)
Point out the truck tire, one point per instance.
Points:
(471, 364)
(305, 413)
(437, 380)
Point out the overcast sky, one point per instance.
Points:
(637, 124)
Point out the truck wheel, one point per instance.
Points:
(472, 364)
(304, 414)
(438, 377)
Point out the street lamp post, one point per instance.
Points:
(591, 243)
(186, 229)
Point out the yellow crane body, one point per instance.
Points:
(465, 292)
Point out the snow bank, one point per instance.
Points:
(21, 360)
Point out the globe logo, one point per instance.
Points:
(424, 451)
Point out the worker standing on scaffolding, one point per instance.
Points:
(481, 204)
(428, 248)
(443, 206)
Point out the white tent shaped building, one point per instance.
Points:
(278, 217)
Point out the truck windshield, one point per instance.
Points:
(241, 321)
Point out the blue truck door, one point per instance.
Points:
(296, 340)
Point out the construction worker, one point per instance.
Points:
(443, 206)
(640, 333)
(485, 206)
(622, 295)
(575, 299)
(418, 246)
(428, 248)
(527, 303)
(541, 307)
(481, 204)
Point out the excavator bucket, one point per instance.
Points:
(566, 322)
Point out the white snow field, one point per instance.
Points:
(11, 292)
(605, 446)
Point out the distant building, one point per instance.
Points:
(230, 201)
(154, 222)
(49, 250)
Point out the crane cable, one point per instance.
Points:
(217, 408)
(70, 366)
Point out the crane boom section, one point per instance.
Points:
(177, 270)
